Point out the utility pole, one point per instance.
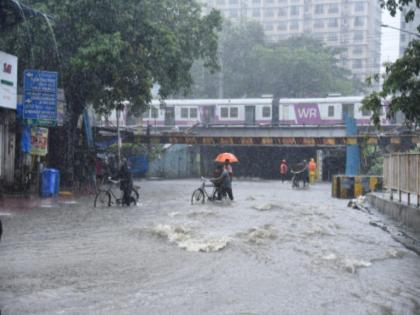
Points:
(118, 112)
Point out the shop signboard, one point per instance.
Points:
(8, 81)
(39, 141)
(40, 97)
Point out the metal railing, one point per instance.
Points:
(402, 174)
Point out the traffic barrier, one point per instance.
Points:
(347, 187)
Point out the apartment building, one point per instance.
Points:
(407, 28)
(352, 26)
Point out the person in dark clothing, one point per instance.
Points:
(225, 184)
(216, 180)
(126, 183)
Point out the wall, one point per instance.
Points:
(177, 161)
(7, 146)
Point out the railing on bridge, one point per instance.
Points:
(402, 174)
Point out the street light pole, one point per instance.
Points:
(401, 30)
(118, 109)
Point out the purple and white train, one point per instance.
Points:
(257, 112)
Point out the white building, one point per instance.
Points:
(411, 27)
(353, 26)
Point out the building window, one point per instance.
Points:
(359, 21)
(294, 25)
(234, 112)
(358, 50)
(282, 1)
(357, 63)
(256, 1)
(319, 9)
(294, 10)
(331, 111)
(332, 37)
(282, 12)
(224, 112)
(269, 1)
(268, 27)
(256, 13)
(266, 111)
(155, 112)
(333, 8)
(358, 36)
(318, 24)
(282, 26)
(268, 13)
(359, 6)
(233, 1)
(333, 22)
(193, 112)
(233, 13)
(220, 2)
(184, 112)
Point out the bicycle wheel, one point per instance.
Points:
(197, 196)
(102, 199)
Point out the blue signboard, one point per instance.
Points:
(40, 97)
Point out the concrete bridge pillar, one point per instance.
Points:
(352, 150)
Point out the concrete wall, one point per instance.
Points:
(177, 161)
(7, 145)
(407, 215)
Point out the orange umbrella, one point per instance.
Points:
(222, 157)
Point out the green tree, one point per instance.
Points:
(401, 85)
(297, 67)
(113, 51)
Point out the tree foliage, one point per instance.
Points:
(112, 51)
(297, 67)
(401, 85)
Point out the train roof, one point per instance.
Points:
(256, 101)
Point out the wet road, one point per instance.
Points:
(273, 251)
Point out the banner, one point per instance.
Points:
(39, 141)
(8, 80)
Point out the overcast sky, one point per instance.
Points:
(390, 38)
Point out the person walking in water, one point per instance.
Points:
(225, 181)
(283, 170)
(312, 171)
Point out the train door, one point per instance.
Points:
(348, 109)
(170, 116)
(207, 115)
(250, 115)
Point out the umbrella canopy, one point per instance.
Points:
(222, 157)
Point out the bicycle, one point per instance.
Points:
(106, 195)
(201, 193)
(297, 178)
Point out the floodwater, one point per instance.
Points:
(273, 250)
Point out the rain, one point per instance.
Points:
(209, 157)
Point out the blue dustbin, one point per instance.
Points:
(50, 182)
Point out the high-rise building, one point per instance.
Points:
(407, 28)
(353, 26)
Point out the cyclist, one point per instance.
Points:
(126, 183)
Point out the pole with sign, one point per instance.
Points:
(40, 97)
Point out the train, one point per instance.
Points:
(184, 113)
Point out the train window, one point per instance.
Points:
(155, 113)
(234, 112)
(266, 111)
(193, 112)
(331, 111)
(224, 112)
(366, 112)
(184, 112)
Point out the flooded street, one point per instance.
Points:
(273, 250)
